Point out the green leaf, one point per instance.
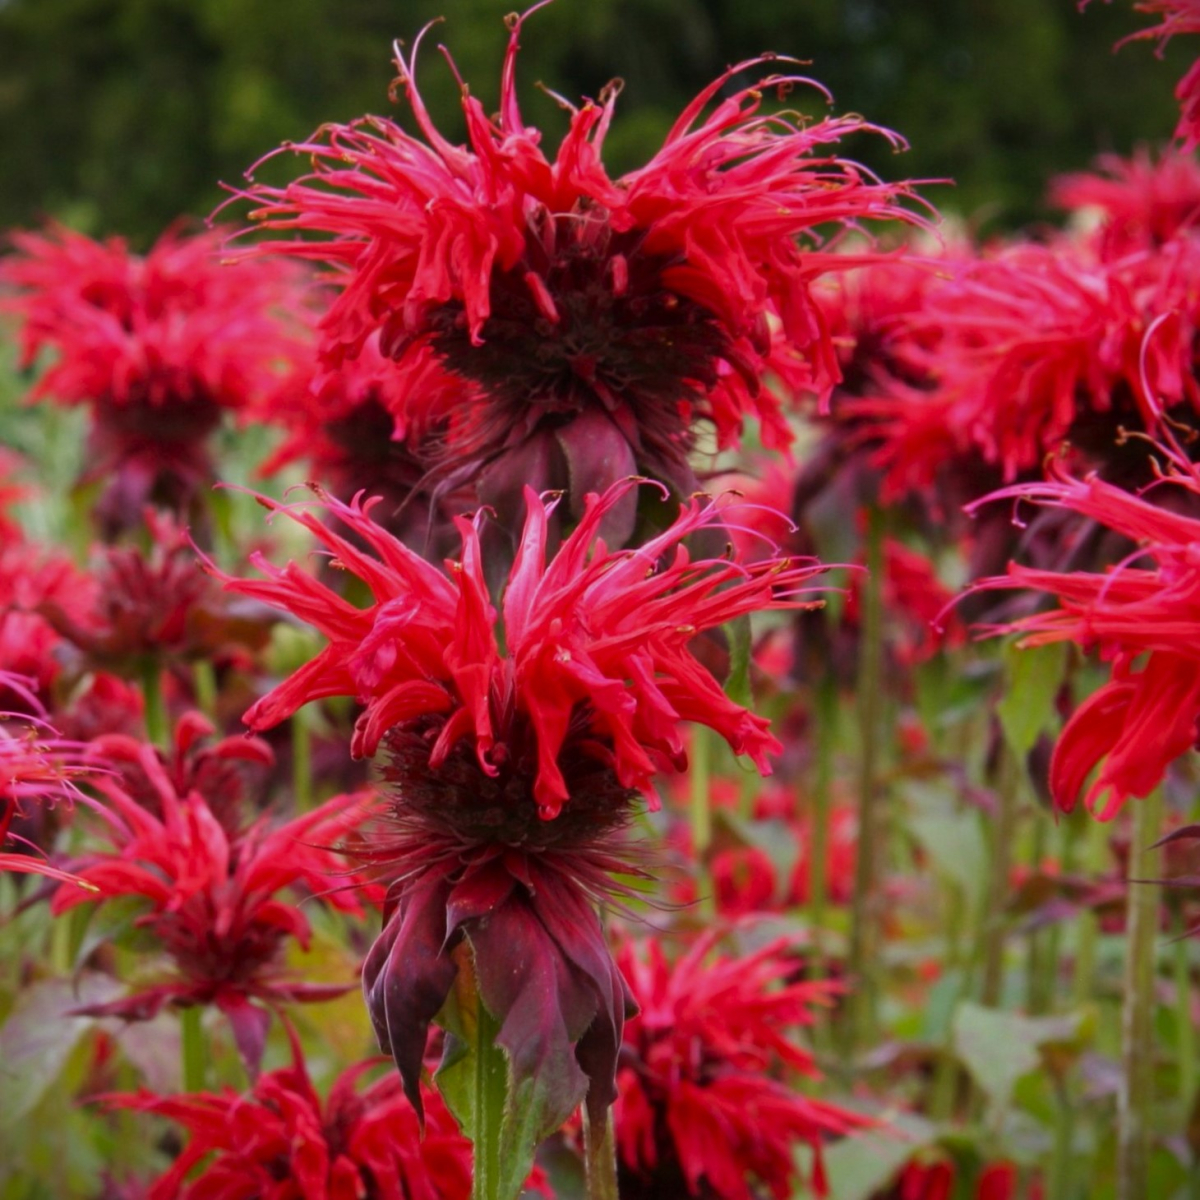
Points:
(39, 1035)
(1032, 680)
(737, 682)
(950, 835)
(862, 1165)
(998, 1048)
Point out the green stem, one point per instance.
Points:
(1186, 1032)
(491, 1092)
(1000, 831)
(302, 779)
(155, 705)
(825, 733)
(194, 1051)
(204, 680)
(1095, 848)
(1064, 1169)
(701, 814)
(1135, 1099)
(865, 909)
(600, 1157)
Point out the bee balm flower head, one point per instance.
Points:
(590, 322)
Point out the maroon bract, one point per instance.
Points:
(281, 1142)
(515, 744)
(591, 322)
(698, 1106)
(213, 899)
(157, 347)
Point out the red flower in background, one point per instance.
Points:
(589, 322)
(1144, 201)
(280, 1142)
(212, 898)
(1178, 16)
(512, 771)
(698, 1106)
(36, 766)
(1146, 715)
(157, 346)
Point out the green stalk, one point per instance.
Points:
(1186, 1031)
(701, 814)
(155, 705)
(1135, 1099)
(865, 908)
(1001, 831)
(1095, 848)
(194, 1051)
(302, 779)
(825, 733)
(204, 680)
(600, 1157)
(1064, 1169)
(491, 1092)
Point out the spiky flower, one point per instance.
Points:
(1142, 619)
(699, 1108)
(214, 900)
(157, 347)
(590, 322)
(514, 744)
(282, 1142)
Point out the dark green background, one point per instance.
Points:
(119, 115)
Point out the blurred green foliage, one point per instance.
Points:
(120, 115)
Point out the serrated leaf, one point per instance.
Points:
(1032, 679)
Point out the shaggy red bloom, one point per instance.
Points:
(1146, 715)
(36, 764)
(1178, 16)
(697, 1104)
(158, 347)
(512, 770)
(213, 902)
(590, 322)
(1144, 201)
(156, 603)
(1037, 345)
(937, 1181)
(280, 1142)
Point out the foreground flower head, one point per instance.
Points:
(281, 1142)
(698, 1103)
(214, 900)
(1144, 620)
(515, 743)
(590, 322)
(157, 346)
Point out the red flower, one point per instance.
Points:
(212, 898)
(1146, 715)
(36, 764)
(590, 322)
(1178, 16)
(512, 771)
(1144, 201)
(157, 603)
(1037, 345)
(280, 1142)
(158, 347)
(697, 1105)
